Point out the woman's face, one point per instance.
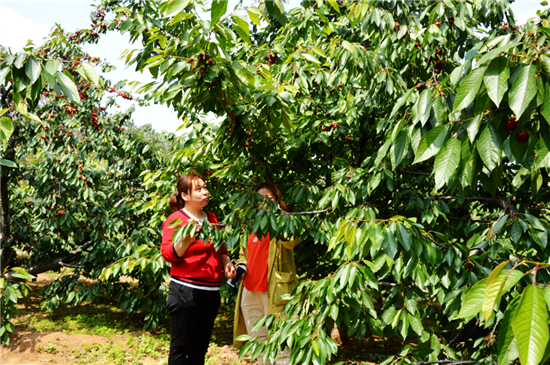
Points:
(198, 194)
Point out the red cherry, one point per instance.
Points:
(510, 125)
(522, 137)
(191, 59)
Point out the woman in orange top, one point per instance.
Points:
(271, 272)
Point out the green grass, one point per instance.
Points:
(127, 342)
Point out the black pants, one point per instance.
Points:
(192, 312)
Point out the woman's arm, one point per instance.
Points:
(171, 251)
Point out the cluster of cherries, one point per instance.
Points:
(82, 91)
(70, 111)
(512, 124)
(271, 58)
(125, 95)
(201, 58)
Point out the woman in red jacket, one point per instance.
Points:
(194, 297)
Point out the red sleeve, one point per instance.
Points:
(167, 248)
(214, 220)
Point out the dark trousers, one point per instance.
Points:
(192, 312)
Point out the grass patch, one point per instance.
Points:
(123, 341)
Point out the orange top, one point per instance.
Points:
(258, 256)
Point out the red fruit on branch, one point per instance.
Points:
(191, 59)
(522, 137)
(511, 124)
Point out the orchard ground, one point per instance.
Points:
(100, 333)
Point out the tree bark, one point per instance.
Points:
(54, 264)
(5, 252)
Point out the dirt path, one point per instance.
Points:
(33, 348)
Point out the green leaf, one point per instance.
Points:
(530, 325)
(174, 223)
(243, 338)
(494, 291)
(88, 71)
(399, 149)
(489, 147)
(545, 60)
(33, 69)
(404, 236)
(473, 127)
(400, 102)
(430, 143)
(311, 58)
(21, 57)
(523, 90)
(254, 14)
(543, 153)
(276, 9)
(471, 305)
(496, 79)
(545, 108)
(507, 343)
(241, 27)
(468, 89)
(67, 86)
(489, 55)
(7, 163)
(219, 7)
(334, 5)
(176, 6)
(350, 234)
(52, 67)
(424, 106)
(447, 161)
(496, 271)
(6, 125)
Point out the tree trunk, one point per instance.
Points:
(54, 264)
(4, 196)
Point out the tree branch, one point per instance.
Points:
(446, 362)
(454, 197)
(414, 173)
(507, 205)
(54, 264)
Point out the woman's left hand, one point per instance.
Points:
(229, 270)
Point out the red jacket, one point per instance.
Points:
(200, 266)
